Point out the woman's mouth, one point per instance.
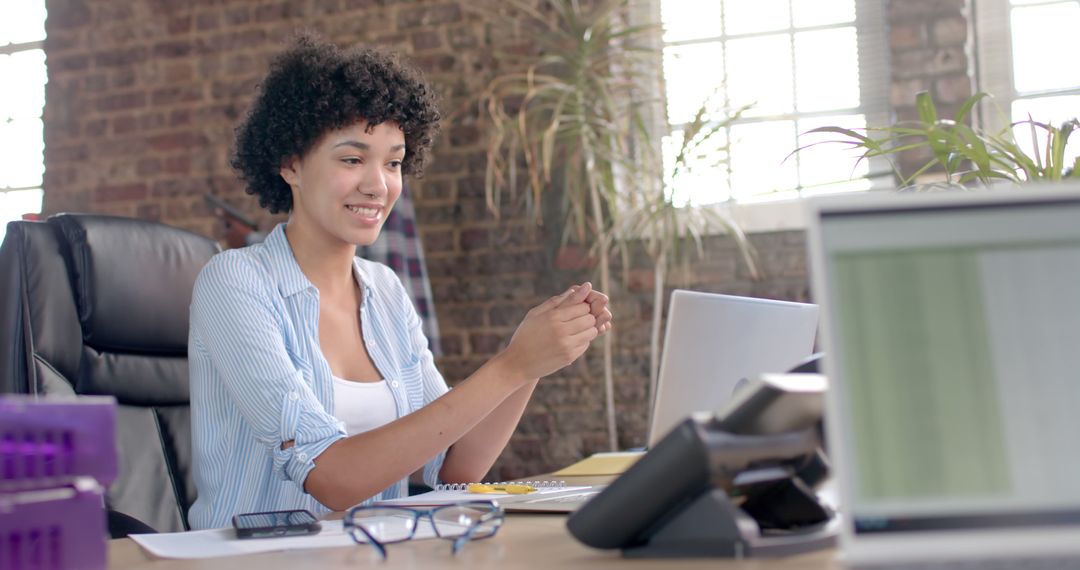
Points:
(364, 211)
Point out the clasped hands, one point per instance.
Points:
(556, 332)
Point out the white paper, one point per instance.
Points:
(434, 498)
(223, 542)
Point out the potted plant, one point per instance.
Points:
(576, 121)
(964, 154)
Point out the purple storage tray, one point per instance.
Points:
(45, 442)
(62, 528)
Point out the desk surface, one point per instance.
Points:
(524, 541)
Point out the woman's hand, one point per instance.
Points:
(598, 307)
(557, 331)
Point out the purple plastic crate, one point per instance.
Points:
(54, 529)
(45, 442)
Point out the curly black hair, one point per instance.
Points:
(315, 87)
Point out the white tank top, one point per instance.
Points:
(363, 406)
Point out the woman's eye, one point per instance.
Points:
(352, 160)
(395, 164)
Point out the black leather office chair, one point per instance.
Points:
(99, 305)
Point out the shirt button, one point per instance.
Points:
(302, 457)
(294, 396)
(394, 383)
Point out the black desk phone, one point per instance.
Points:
(739, 483)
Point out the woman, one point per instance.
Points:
(311, 382)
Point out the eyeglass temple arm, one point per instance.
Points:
(371, 539)
(468, 534)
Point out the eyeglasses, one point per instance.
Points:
(460, 522)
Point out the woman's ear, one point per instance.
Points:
(290, 171)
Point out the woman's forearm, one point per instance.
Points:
(356, 468)
(474, 454)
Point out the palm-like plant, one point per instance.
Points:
(578, 119)
(578, 124)
(965, 153)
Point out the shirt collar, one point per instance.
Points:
(290, 279)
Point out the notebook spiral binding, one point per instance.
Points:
(537, 484)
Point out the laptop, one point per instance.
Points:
(951, 331)
(714, 341)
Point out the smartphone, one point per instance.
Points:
(276, 523)
(227, 208)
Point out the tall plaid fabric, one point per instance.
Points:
(399, 248)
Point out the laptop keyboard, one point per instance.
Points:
(1041, 563)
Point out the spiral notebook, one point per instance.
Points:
(549, 496)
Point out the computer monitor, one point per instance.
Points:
(952, 340)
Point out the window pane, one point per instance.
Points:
(693, 74)
(827, 69)
(760, 73)
(758, 151)
(23, 95)
(21, 153)
(702, 179)
(1050, 110)
(806, 13)
(752, 16)
(15, 203)
(22, 21)
(830, 163)
(1041, 35)
(690, 19)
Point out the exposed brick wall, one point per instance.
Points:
(143, 96)
(931, 48)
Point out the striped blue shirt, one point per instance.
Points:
(259, 378)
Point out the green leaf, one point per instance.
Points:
(924, 105)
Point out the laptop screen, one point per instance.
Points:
(955, 354)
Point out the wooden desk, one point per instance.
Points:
(524, 541)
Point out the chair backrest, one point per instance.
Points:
(99, 305)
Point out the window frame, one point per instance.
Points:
(10, 49)
(874, 84)
(994, 62)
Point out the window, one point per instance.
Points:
(22, 101)
(799, 64)
(1024, 48)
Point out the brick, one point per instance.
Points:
(120, 192)
(173, 49)
(147, 167)
(485, 343)
(237, 16)
(150, 212)
(121, 57)
(177, 94)
(428, 16)
(121, 101)
(912, 35)
(68, 62)
(179, 24)
(426, 40)
(950, 32)
(124, 124)
(176, 140)
(952, 89)
(207, 21)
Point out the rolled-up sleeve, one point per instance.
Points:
(235, 318)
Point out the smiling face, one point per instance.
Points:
(344, 187)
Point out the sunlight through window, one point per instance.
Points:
(22, 102)
(797, 64)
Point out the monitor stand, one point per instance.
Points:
(711, 526)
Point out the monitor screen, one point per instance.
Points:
(956, 333)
